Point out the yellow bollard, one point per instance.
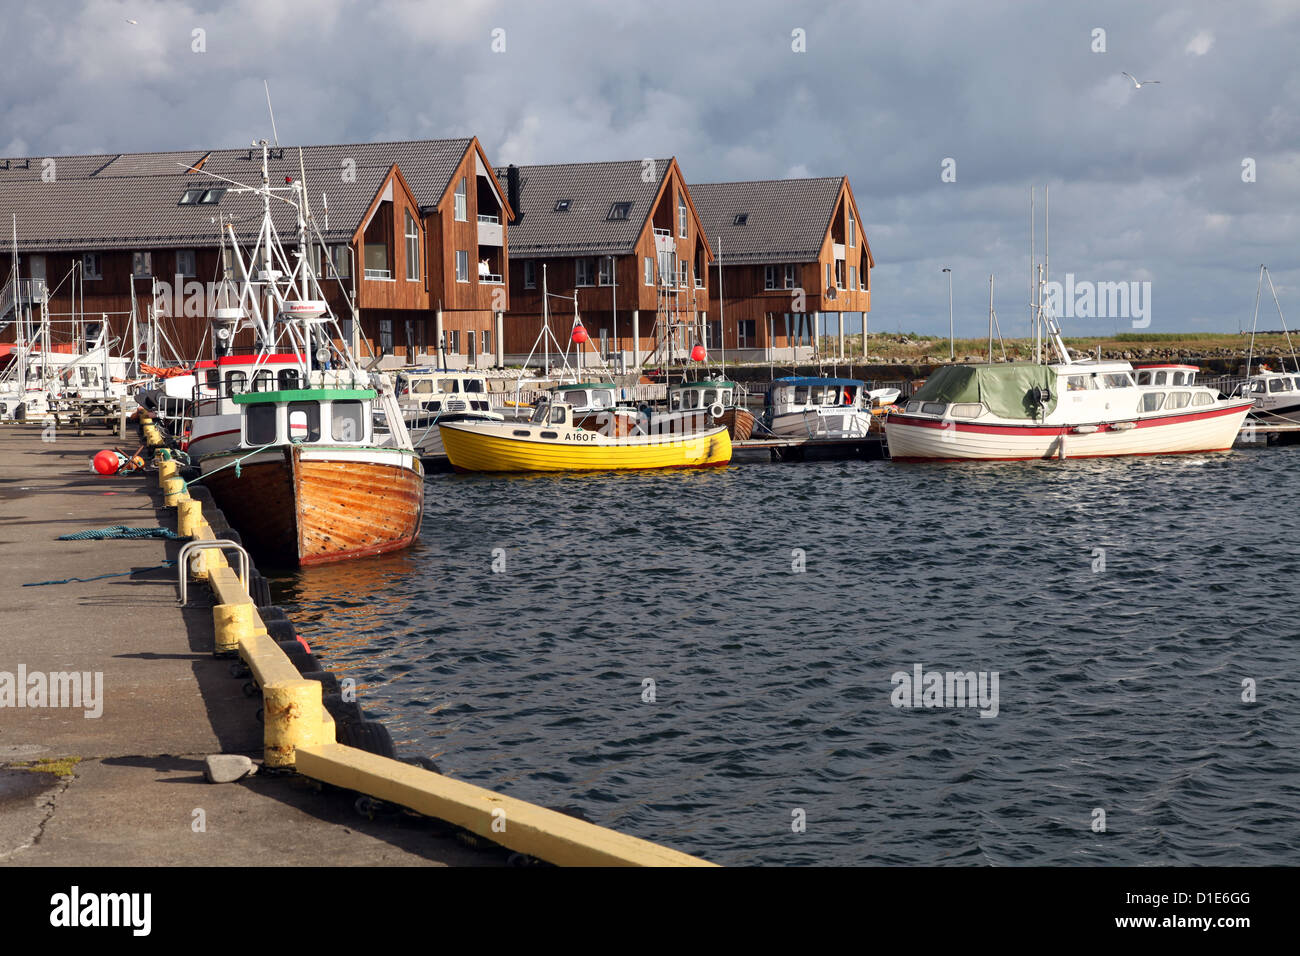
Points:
(174, 491)
(168, 468)
(230, 624)
(189, 516)
(152, 435)
(291, 717)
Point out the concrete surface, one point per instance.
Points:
(166, 702)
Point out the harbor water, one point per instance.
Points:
(714, 660)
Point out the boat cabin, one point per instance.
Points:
(324, 416)
(796, 394)
(697, 396)
(589, 396)
(1167, 374)
(1273, 383)
(440, 390)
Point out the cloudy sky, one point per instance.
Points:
(1147, 185)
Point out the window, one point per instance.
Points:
(830, 278)
(606, 270)
(1203, 398)
(839, 273)
(1160, 378)
(211, 197)
(562, 205)
(1179, 400)
(304, 421)
(259, 424)
(649, 270)
(412, 249)
(190, 197)
(1120, 380)
(263, 381)
(386, 335)
(453, 342)
(746, 333)
(789, 276)
(620, 210)
(462, 210)
(141, 264)
(584, 267)
(769, 277)
(853, 277)
(91, 267)
(346, 423)
(681, 215)
(462, 265)
(853, 231)
(1278, 385)
(342, 261)
(1152, 401)
(741, 219)
(965, 409)
(934, 408)
(485, 336)
(530, 274)
(1080, 383)
(683, 273)
(236, 382)
(287, 379)
(185, 262)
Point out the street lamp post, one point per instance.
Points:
(952, 348)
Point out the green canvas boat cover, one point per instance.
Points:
(1005, 389)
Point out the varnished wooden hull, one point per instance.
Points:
(303, 505)
(739, 422)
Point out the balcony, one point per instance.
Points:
(664, 241)
(383, 275)
(490, 278)
(490, 231)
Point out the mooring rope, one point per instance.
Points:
(114, 574)
(122, 531)
(236, 463)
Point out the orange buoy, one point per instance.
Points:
(698, 353)
(579, 334)
(106, 462)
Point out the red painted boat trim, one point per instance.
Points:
(1049, 430)
(269, 359)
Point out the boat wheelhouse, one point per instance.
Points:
(696, 404)
(1082, 409)
(596, 407)
(430, 396)
(818, 407)
(1276, 396)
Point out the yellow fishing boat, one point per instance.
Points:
(550, 441)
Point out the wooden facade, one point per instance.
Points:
(619, 280)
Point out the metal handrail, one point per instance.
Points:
(190, 547)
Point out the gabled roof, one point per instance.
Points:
(585, 227)
(130, 200)
(786, 220)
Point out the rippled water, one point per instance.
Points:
(1119, 689)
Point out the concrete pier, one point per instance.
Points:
(136, 793)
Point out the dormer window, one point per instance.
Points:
(190, 197)
(211, 197)
(742, 218)
(562, 205)
(619, 211)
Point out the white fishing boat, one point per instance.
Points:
(430, 396)
(818, 407)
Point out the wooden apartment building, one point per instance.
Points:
(793, 259)
(415, 236)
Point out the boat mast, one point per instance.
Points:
(722, 316)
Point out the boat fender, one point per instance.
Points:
(716, 411)
(368, 735)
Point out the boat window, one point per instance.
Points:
(1081, 383)
(801, 395)
(1151, 402)
(710, 396)
(1279, 385)
(913, 406)
(691, 399)
(550, 434)
(214, 377)
(304, 421)
(539, 413)
(1144, 378)
(288, 378)
(558, 416)
(725, 397)
(475, 385)
(522, 432)
(347, 423)
(422, 386)
(1121, 380)
(603, 399)
(1179, 400)
(849, 394)
(1177, 378)
(1158, 378)
(259, 424)
(675, 401)
(1203, 398)
(448, 385)
(236, 382)
(262, 381)
(966, 410)
(934, 408)
(433, 405)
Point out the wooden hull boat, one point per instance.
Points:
(305, 505)
(524, 447)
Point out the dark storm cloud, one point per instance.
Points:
(1146, 184)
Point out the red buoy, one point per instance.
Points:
(579, 334)
(698, 353)
(105, 462)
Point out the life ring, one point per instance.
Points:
(716, 411)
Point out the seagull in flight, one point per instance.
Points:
(1138, 84)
